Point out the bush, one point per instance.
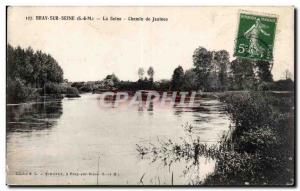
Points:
(17, 91)
(59, 89)
(53, 88)
(261, 147)
(264, 86)
(72, 92)
(283, 85)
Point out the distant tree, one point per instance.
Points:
(222, 61)
(177, 78)
(141, 73)
(110, 81)
(287, 74)
(242, 74)
(27, 66)
(190, 80)
(150, 73)
(202, 60)
(163, 85)
(264, 71)
(283, 85)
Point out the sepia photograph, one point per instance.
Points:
(150, 96)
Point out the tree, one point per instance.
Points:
(264, 71)
(202, 60)
(287, 74)
(177, 78)
(242, 74)
(110, 81)
(190, 80)
(150, 73)
(30, 70)
(141, 73)
(222, 61)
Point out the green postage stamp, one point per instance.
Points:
(255, 38)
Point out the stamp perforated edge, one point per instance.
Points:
(255, 13)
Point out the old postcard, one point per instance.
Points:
(150, 96)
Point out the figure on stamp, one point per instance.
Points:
(253, 34)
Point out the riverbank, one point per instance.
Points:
(260, 149)
(51, 91)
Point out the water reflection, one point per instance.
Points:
(189, 149)
(33, 116)
(203, 110)
(69, 136)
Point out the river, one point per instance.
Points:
(79, 141)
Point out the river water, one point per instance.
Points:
(79, 141)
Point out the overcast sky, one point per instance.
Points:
(89, 50)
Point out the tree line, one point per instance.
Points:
(34, 69)
(31, 74)
(213, 71)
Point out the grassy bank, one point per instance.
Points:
(260, 149)
(18, 92)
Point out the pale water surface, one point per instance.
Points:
(75, 138)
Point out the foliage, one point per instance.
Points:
(150, 73)
(264, 71)
(111, 81)
(222, 61)
(141, 72)
(17, 91)
(202, 60)
(58, 89)
(283, 85)
(53, 88)
(242, 74)
(190, 81)
(34, 68)
(72, 92)
(29, 71)
(260, 148)
(177, 78)
(287, 74)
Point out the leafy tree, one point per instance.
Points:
(222, 60)
(163, 85)
(111, 81)
(264, 71)
(242, 74)
(141, 73)
(190, 80)
(28, 70)
(150, 73)
(17, 91)
(202, 60)
(287, 74)
(177, 78)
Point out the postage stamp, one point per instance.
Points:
(255, 38)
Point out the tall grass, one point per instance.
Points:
(259, 150)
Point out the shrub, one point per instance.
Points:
(261, 147)
(17, 91)
(72, 92)
(53, 88)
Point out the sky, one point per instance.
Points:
(90, 50)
